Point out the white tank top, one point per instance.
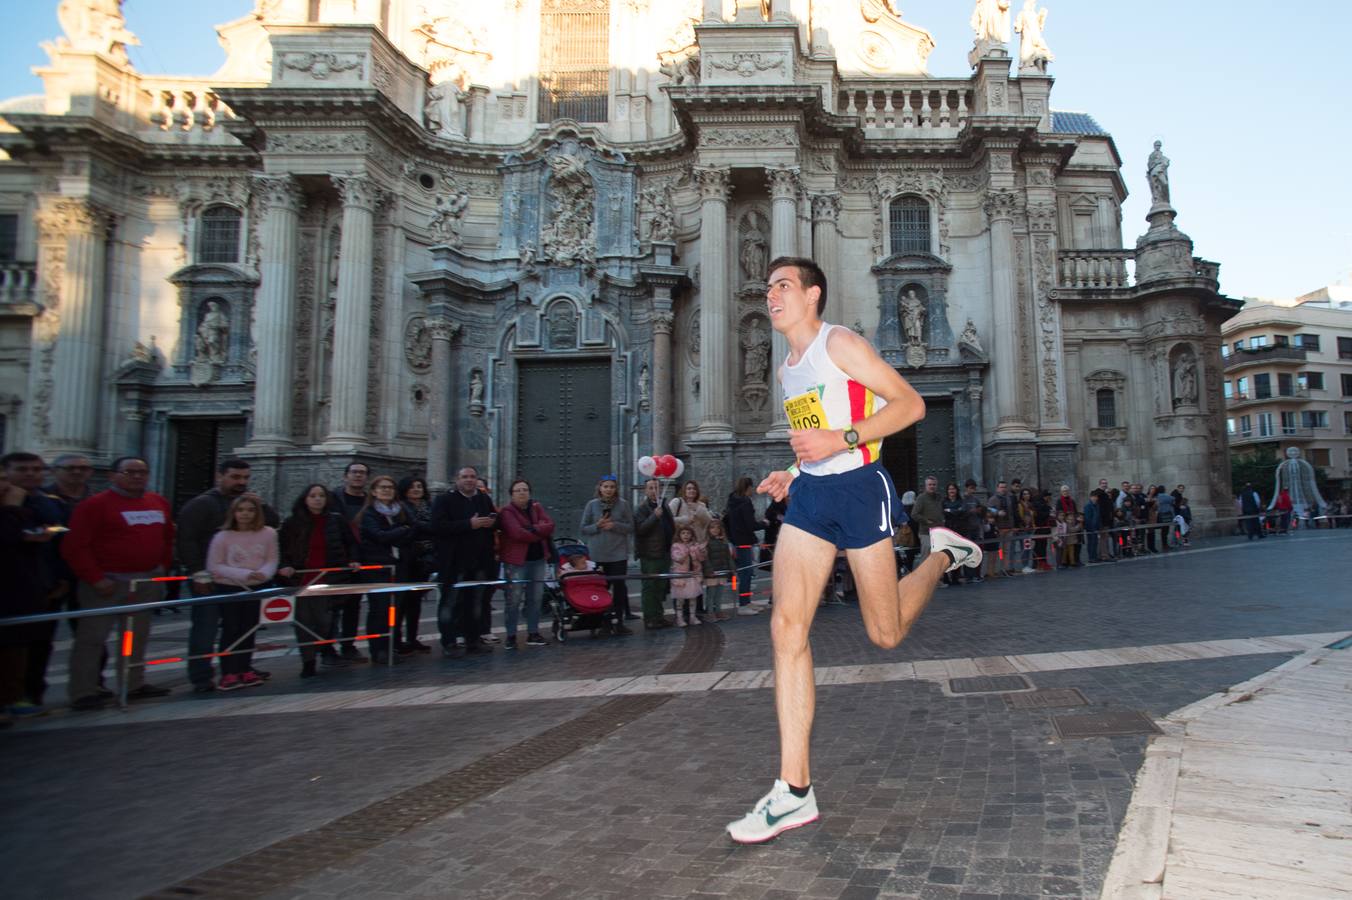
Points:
(815, 390)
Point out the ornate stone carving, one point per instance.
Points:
(95, 25)
(1047, 327)
(562, 326)
(418, 345)
(663, 322)
(448, 218)
(68, 215)
(784, 182)
(570, 236)
(753, 247)
(1034, 54)
(761, 137)
(714, 183)
(1184, 379)
(825, 207)
(1041, 217)
(969, 341)
(755, 346)
(746, 64)
(321, 65)
(440, 328)
(644, 379)
(1000, 204)
(661, 216)
(316, 142)
(357, 190)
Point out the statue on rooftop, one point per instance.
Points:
(990, 21)
(1157, 173)
(1296, 476)
(1034, 54)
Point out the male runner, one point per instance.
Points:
(842, 399)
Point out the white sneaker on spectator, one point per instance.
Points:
(747, 611)
(965, 552)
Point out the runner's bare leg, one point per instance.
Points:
(802, 564)
(890, 607)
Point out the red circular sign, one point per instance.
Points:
(278, 609)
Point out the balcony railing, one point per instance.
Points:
(183, 105)
(18, 282)
(907, 107)
(1094, 268)
(1262, 355)
(1272, 435)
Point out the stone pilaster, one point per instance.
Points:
(352, 325)
(1000, 207)
(715, 314)
(785, 185)
(280, 201)
(442, 331)
(76, 385)
(826, 239)
(1053, 415)
(663, 322)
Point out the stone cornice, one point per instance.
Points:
(43, 136)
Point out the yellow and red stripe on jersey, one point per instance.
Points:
(861, 407)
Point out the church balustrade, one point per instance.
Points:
(1094, 268)
(928, 106)
(183, 105)
(17, 282)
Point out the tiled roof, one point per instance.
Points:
(1075, 123)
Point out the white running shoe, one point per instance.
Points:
(774, 814)
(965, 552)
(747, 611)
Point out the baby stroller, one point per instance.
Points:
(580, 600)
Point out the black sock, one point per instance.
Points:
(800, 792)
(949, 553)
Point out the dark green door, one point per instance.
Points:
(563, 435)
(934, 450)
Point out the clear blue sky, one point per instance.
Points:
(1247, 97)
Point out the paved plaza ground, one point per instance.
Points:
(608, 768)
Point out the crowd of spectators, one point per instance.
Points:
(66, 547)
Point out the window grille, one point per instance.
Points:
(218, 238)
(574, 60)
(1107, 408)
(909, 221)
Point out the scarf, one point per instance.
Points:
(390, 510)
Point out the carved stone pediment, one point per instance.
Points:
(912, 262)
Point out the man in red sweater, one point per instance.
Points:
(123, 534)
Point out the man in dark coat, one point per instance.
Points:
(654, 528)
(462, 525)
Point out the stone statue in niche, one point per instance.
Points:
(1034, 54)
(913, 324)
(662, 224)
(968, 340)
(754, 249)
(1185, 380)
(756, 346)
(570, 236)
(643, 398)
(1157, 173)
(418, 345)
(213, 335)
(476, 392)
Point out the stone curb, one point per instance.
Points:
(1137, 868)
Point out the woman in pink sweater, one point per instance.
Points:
(242, 557)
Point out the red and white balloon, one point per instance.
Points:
(660, 466)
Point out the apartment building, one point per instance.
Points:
(1288, 379)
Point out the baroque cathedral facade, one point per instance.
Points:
(532, 236)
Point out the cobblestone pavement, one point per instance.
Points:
(924, 794)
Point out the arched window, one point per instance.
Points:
(1107, 407)
(218, 235)
(909, 225)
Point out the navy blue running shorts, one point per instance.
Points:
(851, 509)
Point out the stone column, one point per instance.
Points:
(442, 330)
(1000, 207)
(275, 311)
(715, 378)
(784, 185)
(780, 12)
(352, 317)
(663, 320)
(713, 11)
(826, 240)
(76, 383)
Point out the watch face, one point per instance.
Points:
(851, 437)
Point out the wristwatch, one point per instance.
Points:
(851, 439)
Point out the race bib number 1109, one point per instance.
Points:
(805, 411)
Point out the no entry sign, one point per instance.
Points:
(277, 609)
